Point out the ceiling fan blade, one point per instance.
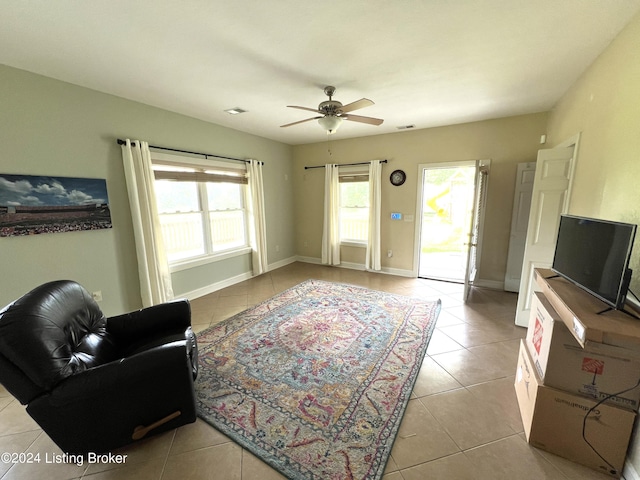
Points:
(350, 107)
(358, 118)
(305, 108)
(301, 121)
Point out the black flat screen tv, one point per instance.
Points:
(594, 255)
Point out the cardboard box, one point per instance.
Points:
(554, 419)
(597, 370)
(587, 317)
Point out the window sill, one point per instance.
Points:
(206, 259)
(353, 243)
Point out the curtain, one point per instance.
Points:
(257, 222)
(372, 259)
(153, 267)
(331, 225)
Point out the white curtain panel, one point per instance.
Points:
(372, 259)
(257, 222)
(153, 266)
(331, 225)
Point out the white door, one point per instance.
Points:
(477, 220)
(519, 221)
(549, 199)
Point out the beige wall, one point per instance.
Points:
(604, 104)
(506, 141)
(54, 128)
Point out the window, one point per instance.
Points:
(227, 216)
(201, 208)
(180, 218)
(354, 208)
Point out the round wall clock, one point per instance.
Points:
(397, 177)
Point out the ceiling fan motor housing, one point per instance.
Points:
(330, 107)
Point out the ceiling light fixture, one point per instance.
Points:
(235, 111)
(330, 123)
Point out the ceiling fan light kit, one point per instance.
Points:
(330, 123)
(333, 112)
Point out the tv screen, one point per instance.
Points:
(594, 254)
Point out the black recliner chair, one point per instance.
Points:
(94, 383)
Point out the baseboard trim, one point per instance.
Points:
(359, 266)
(491, 284)
(214, 287)
(314, 260)
(282, 263)
(200, 292)
(351, 266)
(398, 272)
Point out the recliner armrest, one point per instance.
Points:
(16, 382)
(121, 377)
(134, 391)
(153, 320)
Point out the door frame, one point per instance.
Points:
(420, 205)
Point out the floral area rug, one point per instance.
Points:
(315, 380)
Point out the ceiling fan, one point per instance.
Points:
(333, 112)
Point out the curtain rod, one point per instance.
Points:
(344, 164)
(206, 155)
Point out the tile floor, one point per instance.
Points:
(461, 423)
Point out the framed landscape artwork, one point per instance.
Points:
(31, 204)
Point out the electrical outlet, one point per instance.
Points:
(97, 296)
(390, 253)
(277, 248)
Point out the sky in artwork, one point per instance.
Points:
(30, 190)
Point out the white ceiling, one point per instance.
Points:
(423, 62)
